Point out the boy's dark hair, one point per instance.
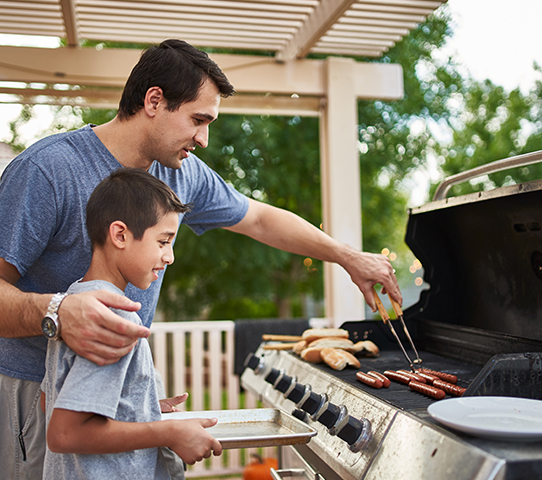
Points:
(132, 196)
(179, 69)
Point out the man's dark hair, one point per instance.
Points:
(132, 196)
(179, 69)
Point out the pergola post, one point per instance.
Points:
(341, 190)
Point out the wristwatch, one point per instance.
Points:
(50, 325)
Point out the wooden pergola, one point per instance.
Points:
(284, 82)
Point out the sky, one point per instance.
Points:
(495, 39)
(498, 39)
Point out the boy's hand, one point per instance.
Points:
(95, 332)
(191, 441)
(167, 405)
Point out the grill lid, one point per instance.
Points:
(482, 257)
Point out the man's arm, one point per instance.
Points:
(87, 433)
(285, 230)
(89, 327)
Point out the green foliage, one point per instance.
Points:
(445, 123)
(392, 149)
(271, 159)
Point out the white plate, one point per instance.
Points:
(498, 418)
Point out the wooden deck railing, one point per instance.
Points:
(198, 358)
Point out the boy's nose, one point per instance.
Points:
(168, 257)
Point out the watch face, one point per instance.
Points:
(48, 327)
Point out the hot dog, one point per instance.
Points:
(369, 380)
(428, 390)
(397, 377)
(428, 378)
(447, 377)
(450, 388)
(413, 376)
(385, 380)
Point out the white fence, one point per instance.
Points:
(198, 358)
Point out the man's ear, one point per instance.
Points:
(153, 98)
(118, 234)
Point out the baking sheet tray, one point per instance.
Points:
(258, 427)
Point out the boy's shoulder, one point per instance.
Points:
(79, 287)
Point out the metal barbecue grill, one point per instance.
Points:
(481, 319)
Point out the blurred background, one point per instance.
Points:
(472, 82)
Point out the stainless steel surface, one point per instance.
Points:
(259, 427)
(505, 164)
(414, 450)
(405, 444)
(298, 473)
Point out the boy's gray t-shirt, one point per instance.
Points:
(43, 198)
(124, 391)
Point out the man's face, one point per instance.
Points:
(175, 134)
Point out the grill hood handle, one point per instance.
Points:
(511, 162)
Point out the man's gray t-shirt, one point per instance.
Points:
(43, 198)
(124, 391)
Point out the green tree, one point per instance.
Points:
(445, 122)
(271, 159)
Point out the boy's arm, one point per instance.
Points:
(88, 433)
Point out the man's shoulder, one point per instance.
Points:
(53, 150)
(64, 140)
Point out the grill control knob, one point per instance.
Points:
(272, 376)
(284, 384)
(313, 403)
(356, 433)
(300, 415)
(254, 363)
(330, 415)
(296, 395)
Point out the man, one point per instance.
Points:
(169, 101)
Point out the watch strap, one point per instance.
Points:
(55, 302)
(52, 312)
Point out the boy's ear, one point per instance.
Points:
(118, 234)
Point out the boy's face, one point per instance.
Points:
(152, 252)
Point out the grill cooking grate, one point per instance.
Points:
(397, 394)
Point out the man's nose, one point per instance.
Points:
(202, 137)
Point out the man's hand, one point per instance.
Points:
(168, 405)
(368, 269)
(191, 441)
(95, 332)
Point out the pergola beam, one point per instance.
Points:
(70, 22)
(317, 24)
(248, 73)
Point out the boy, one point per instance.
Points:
(104, 422)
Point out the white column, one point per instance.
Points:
(341, 191)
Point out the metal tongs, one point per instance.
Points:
(399, 314)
